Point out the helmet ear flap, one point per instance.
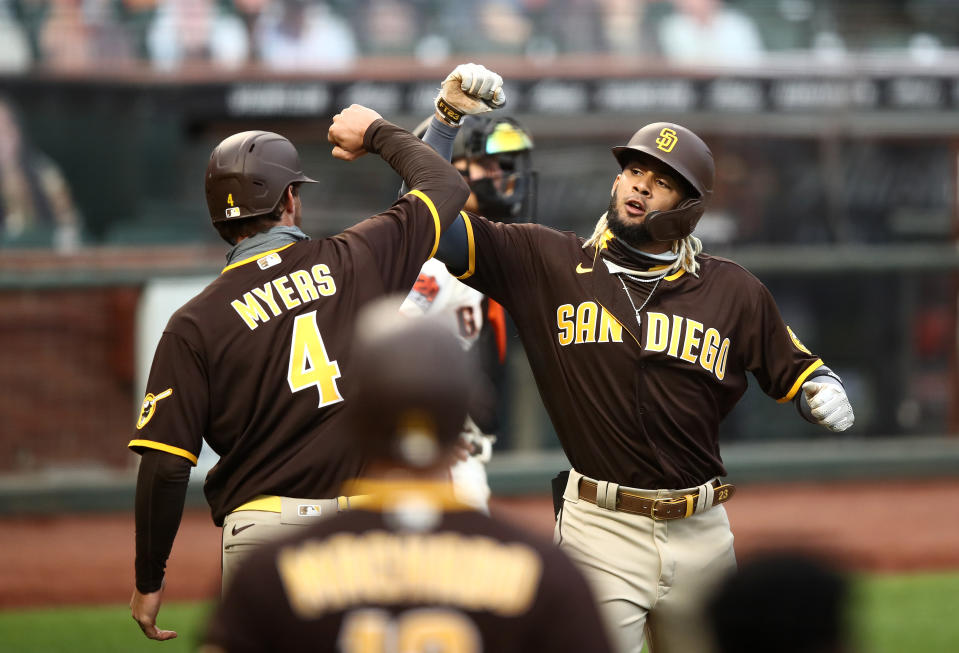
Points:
(677, 223)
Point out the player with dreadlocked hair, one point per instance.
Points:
(640, 344)
(686, 249)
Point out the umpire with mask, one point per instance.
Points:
(258, 364)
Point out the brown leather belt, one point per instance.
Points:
(657, 509)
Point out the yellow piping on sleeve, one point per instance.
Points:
(436, 217)
(471, 246)
(798, 384)
(176, 451)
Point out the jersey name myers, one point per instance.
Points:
(590, 323)
(286, 292)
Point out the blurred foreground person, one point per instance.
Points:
(781, 602)
(409, 567)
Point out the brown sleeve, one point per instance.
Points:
(506, 260)
(420, 167)
(778, 360)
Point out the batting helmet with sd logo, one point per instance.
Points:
(690, 158)
(247, 174)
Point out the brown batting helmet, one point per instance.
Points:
(413, 384)
(686, 154)
(247, 174)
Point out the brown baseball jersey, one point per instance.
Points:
(635, 380)
(258, 363)
(412, 570)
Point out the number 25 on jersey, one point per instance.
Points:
(310, 365)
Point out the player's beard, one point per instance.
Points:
(634, 235)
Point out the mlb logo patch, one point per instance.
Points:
(233, 212)
(269, 261)
(308, 510)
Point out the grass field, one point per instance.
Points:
(894, 613)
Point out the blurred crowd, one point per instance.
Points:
(36, 205)
(332, 34)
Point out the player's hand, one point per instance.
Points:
(470, 89)
(829, 405)
(144, 609)
(348, 129)
(462, 450)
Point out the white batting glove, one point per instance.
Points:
(469, 89)
(829, 405)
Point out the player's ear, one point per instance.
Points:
(612, 191)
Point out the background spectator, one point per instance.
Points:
(196, 31)
(65, 37)
(708, 31)
(296, 34)
(15, 52)
(36, 207)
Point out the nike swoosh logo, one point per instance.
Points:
(581, 270)
(241, 528)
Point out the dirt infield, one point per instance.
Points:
(901, 526)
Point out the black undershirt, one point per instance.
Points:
(161, 491)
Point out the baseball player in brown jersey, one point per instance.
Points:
(410, 568)
(640, 345)
(257, 364)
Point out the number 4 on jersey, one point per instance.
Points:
(309, 363)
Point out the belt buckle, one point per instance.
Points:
(652, 510)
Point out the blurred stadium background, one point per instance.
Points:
(835, 126)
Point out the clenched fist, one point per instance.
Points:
(829, 405)
(470, 89)
(348, 129)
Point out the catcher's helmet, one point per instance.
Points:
(247, 174)
(413, 383)
(690, 158)
(512, 197)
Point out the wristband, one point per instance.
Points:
(451, 115)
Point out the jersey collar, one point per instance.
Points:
(264, 242)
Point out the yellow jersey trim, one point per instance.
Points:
(263, 503)
(604, 239)
(159, 446)
(271, 503)
(253, 258)
(471, 246)
(436, 217)
(675, 275)
(802, 378)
